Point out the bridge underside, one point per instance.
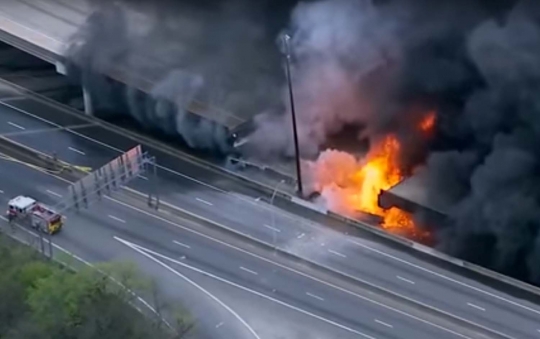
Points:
(43, 28)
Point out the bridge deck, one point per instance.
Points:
(43, 28)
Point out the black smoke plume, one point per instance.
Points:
(476, 63)
(174, 53)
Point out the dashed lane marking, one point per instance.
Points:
(383, 323)
(181, 244)
(16, 126)
(272, 228)
(54, 193)
(204, 201)
(117, 219)
(337, 253)
(76, 151)
(405, 280)
(477, 307)
(314, 296)
(248, 270)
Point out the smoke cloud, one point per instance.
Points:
(475, 63)
(175, 53)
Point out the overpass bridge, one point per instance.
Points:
(44, 28)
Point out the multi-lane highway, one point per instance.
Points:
(121, 228)
(206, 193)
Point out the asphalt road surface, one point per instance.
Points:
(117, 228)
(215, 197)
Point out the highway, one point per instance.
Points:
(205, 192)
(121, 228)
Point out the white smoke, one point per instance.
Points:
(344, 56)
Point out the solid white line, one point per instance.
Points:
(142, 177)
(383, 323)
(150, 254)
(477, 307)
(272, 228)
(117, 219)
(204, 202)
(248, 270)
(314, 296)
(54, 193)
(143, 251)
(405, 280)
(337, 253)
(180, 244)
(359, 296)
(442, 276)
(15, 125)
(76, 151)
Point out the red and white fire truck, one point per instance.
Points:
(26, 210)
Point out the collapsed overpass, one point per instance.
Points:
(43, 28)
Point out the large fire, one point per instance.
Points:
(352, 186)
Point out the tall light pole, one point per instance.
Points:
(286, 39)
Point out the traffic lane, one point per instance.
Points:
(270, 320)
(56, 115)
(49, 139)
(51, 110)
(52, 186)
(251, 273)
(451, 300)
(326, 247)
(90, 239)
(93, 232)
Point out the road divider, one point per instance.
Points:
(71, 174)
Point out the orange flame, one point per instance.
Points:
(428, 122)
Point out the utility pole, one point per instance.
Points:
(286, 39)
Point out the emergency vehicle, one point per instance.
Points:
(28, 211)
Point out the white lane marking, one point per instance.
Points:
(1, 192)
(142, 177)
(220, 324)
(144, 251)
(181, 244)
(150, 254)
(442, 276)
(117, 219)
(54, 193)
(76, 150)
(314, 296)
(383, 323)
(337, 253)
(248, 270)
(272, 228)
(16, 126)
(359, 296)
(204, 201)
(301, 236)
(405, 280)
(476, 306)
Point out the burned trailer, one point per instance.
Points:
(411, 195)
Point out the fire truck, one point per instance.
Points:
(26, 210)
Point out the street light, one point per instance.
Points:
(286, 39)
